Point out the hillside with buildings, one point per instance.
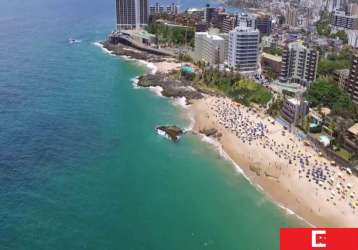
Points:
(299, 51)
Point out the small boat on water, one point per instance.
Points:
(72, 41)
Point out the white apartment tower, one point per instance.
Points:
(299, 64)
(132, 14)
(209, 48)
(243, 49)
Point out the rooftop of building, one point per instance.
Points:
(272, 57)
(244, 28)
(211, 36)
(354, 129)
(342, 71)
(294, 101)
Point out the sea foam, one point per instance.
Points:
(157, 90)
(106, 51)
(162, 133)
(181, 102)
(135, 81)
(223, 154)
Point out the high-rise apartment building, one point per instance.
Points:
(243, 49)
(264, 24)
(291, 16)
(299, 64)
(333, 5)
(132, 14)
(352, 83)
(229, 23)
(209, 48)
(341, 20)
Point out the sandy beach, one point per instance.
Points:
(285, 168)
(289, 171)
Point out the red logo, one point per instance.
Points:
(319, 239)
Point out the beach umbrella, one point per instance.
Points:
(349, 185)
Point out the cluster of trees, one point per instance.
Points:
(247, 91)
(275, 108)
(322, 25)
(325, 92)
(231, 84)
(342, 35)
(172, 35)
(341, 60)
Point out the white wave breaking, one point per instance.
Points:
(290, 212)
(180, 102)
(162, 133)
(224, 155)
(157, 90)
(191, 122)
(100, 45)
(150, 65)
(135, 81)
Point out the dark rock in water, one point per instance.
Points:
(173, 132)
(209, 131)
(171, 88)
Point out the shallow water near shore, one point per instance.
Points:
(81, 166)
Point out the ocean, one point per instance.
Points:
(81, 166)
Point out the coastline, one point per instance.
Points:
(282, 186)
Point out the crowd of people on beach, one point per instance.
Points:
(252, 129)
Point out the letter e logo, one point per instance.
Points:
(319, 238)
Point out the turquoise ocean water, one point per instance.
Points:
(80, 164)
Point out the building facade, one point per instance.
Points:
(264, 24)
(341, 20)
(229, 23)
(157, 8)
(132, 14)
(352, 82)
(293, 109)
(271, 64)
(243, 49)
(291, 16)
(209, 48)
(299, 64)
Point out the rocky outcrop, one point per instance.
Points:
(123, 50)
(211, 132)
(173, 132)
(171, 88)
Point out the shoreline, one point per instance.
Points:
(284, 188)
(279, 190)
